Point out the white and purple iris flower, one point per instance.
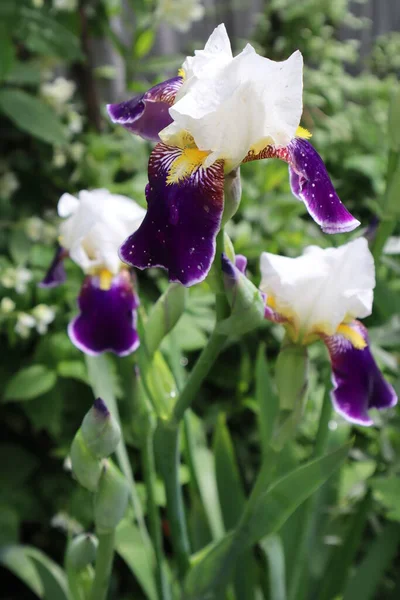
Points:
(220, 112)
(96, 222)
(320, 295)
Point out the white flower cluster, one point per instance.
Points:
(179, 14)
(16, 278)
(66, 5)
(38, 230)
(40, 318)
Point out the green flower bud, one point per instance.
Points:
(111, 499)
(246, 300)
(100, 430)
(164, 315)
(81, 551)
(291, 373)
(85, 466)
(232, 194)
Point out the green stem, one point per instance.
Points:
(101, 381)
(300, 570)
(168, 458)
(104, 561)
(149, 470)
(74, 589)
(385, 230)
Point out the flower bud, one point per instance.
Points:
(291, 374)
(111, 499)
(100, 431)
(232, 194)
(246, 300)
(81, 551)
(85, 466)
(164, 315)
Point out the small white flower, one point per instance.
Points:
(8, 184)
(322, 288)
(59, 158)
(16, 278)
(43, 315)
(76, 151)
(25, 323)
(34, 228)
(230, 105)
(179, 14)
(75, 122)
(97, 222)
(58, 92)
(67, 5)
(7, 305)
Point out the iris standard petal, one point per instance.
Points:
(311, 183)
(183, 216)
(358, 383)
(148, 114)
(56, 273)
(107, 319)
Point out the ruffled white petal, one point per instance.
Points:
(321, 288)
(230, 104)
(97, 224)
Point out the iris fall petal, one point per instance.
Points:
(56, 273)
(107, 319)
(182, 220)
(358, 383)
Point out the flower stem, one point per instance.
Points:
(168, 459)
(385, 230)
(164, 592)
(300, 572)
(104, 561)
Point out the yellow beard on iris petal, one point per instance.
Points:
(186, 164)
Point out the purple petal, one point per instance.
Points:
(358, 383)
(310, 183)
(56, 273)
(148, 114)
(241, 263)
(182, 220)
(107, 318)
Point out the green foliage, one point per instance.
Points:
(53, 143)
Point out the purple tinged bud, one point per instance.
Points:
(81, 551)
(111, 499)
(164, 315)
(100, 431)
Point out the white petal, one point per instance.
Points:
(67, 205)
(216, 53)
(98, 226)
(230, 105)
(321, 288)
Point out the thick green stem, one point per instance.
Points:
(300, 572)
(385, 230)
(168, 459)
(164, 592)
(104, 561)
(75, 591)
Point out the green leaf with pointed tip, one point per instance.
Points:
(30, 383)
(267, 512)
(129, 546)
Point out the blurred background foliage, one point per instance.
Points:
(55, 138)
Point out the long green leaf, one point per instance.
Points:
(365, 582)
(267, 400)
(268, 511)
(273, 548)
(43, 576)
(232, 500)
(32, 115)
(129, 546)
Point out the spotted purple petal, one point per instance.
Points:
(107, 318)
(56, 273)
(148, 114)
(358, 383)
(310, 183)
(182, 220)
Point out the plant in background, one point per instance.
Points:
(180, 514)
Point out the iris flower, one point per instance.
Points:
(95, 225)
(220, 112)
(321, 295)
